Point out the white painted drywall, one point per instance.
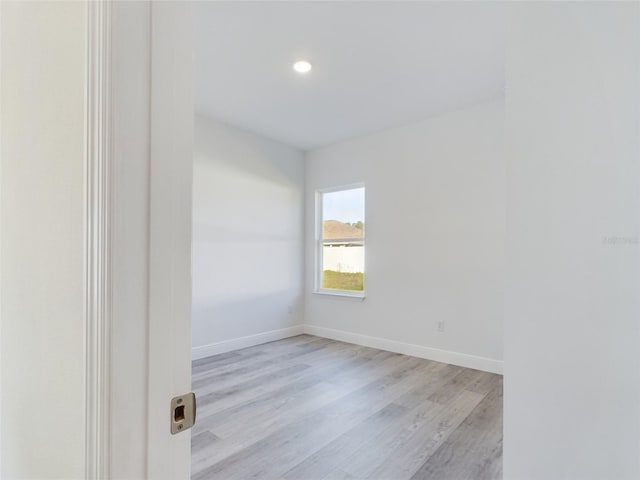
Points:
(375, 64)
(572, 324)
(435, 233)
(42, 339)
(247, 236)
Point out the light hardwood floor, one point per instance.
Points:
(317, 409)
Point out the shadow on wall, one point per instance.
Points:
(247, 252)
(219, 320)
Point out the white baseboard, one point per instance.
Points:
(444, 356)
(244, 342)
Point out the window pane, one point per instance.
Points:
(343, 240)
(343, 214)
(343, 266)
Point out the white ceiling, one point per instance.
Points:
(375, 64)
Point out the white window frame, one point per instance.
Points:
(356, 294)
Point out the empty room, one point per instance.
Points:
(348, 208)
(319, 240)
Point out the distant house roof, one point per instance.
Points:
(335, 229)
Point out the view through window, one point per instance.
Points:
(341, 242)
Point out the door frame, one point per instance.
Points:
(97, 247)
(170, 217)
(138, 157)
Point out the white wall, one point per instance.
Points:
(247, 237)
(41, 170)
(572, 324)
(435, 236)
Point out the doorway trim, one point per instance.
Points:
(97, 242)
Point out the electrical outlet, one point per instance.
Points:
(441, 325)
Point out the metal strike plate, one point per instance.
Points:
(183, 412)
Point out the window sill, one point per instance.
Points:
(346, 295)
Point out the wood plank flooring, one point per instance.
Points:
(309, 408)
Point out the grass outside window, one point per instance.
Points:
(343, 280)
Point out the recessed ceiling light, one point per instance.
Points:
(302, 66)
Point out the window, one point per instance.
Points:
(341, 225)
